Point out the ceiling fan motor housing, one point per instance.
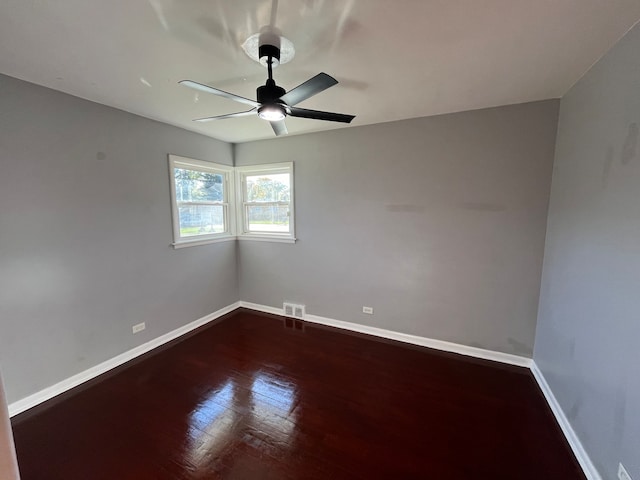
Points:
(269, 93)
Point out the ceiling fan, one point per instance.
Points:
(273, 103)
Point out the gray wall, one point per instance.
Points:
(85, 233)
(438, 223)
(589, 326)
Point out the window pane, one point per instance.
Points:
(201, 220)
(195, 186)
(272, 187)
(268, 218)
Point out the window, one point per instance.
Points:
(265, 202)
(200, 195)
(205, 209)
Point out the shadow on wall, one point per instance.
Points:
(8, 464)
(628, 152)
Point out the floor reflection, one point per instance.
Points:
(256, 413)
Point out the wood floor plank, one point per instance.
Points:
(249, 398)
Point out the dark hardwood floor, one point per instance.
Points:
(253, 398)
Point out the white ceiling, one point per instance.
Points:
(394, 59)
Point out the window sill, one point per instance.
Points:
(195, 243)
(267, 238)
(255, 238)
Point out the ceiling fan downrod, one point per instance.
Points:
(269, 94)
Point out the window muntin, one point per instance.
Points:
(200, 193)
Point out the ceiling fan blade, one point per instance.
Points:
(318, 115)
(279, 127)
(215, 91)
(228, 115)
(314, 85)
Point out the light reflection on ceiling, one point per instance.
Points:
(423, 58)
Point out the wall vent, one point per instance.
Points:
(293, 310)
(288, 310)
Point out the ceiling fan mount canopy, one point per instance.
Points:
(269, 53)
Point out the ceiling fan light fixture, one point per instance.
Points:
(273, 112)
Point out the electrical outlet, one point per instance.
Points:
(139, 327)
(622, 473)
(367, 310)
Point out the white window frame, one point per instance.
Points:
(242, 203)
(226, 171)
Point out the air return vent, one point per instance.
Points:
(293, 310)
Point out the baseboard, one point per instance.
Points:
(403, 337)
(578, 450)
(43, 395)
(581, 455)
(585, 462)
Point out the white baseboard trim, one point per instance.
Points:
(578, 450)
(583, 458)
(403, 337)
(71, 382)
(585, 462)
